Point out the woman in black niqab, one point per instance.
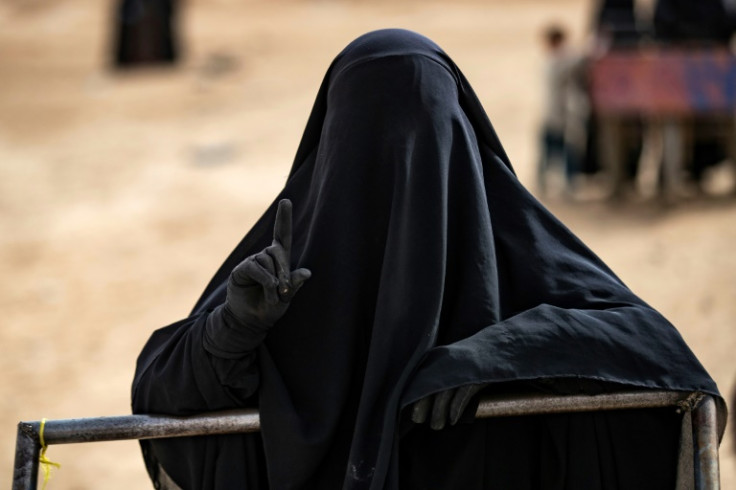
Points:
(432, 268)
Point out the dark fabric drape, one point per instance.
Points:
(432, 267)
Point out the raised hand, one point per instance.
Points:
(439, 407)
(260, 288)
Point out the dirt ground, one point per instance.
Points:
(121, 194)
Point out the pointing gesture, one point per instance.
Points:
(280, 250)
(260, 288)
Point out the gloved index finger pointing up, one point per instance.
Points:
(282, 227)
(282, 244)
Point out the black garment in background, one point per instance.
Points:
(686, 22)
(590, 163)
(145, 32)
(617, 20)
(432, 268)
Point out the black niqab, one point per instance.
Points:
(432, 268)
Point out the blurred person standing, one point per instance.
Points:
(565, 111)
(706, 26)
(617, 142)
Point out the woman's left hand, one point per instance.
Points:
(440, 407)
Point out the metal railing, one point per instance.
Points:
(28, 443)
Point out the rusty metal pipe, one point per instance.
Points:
(94, 429)
(117, 428)
(545, 404)
(705, 445)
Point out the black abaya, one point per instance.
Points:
(432, 268)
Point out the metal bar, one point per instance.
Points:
(27, 449)
(705, 445)
(65, 431)
(545, 404)
(94, 429)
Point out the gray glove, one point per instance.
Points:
(440, 406)
(259, 291)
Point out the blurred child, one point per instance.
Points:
(565, 109)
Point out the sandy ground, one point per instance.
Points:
(120, 195)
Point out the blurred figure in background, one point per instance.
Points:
(705, 25)
(662, 94)
(565, 110)
(615, 27)
(145, 33)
